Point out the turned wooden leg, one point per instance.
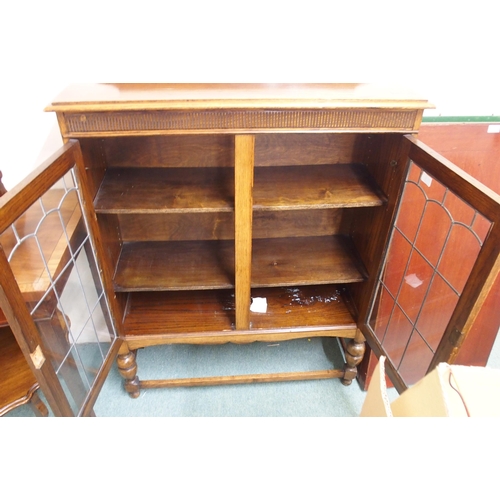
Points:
(127, 367)
(354, 351)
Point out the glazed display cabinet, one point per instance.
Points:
(175, 207)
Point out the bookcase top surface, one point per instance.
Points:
(192, 96)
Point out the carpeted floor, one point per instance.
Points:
(322, 398)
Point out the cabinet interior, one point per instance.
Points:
(165, 207)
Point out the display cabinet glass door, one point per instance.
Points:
(441, 260)
(52, 289)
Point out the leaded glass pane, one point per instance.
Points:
(433, 247)
(51, 256)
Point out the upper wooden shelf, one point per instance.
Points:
(314, 186)
(164, 190)
(208, 189)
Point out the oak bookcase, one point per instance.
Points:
(201, 197)
(209, 195)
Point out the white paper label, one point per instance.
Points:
(494, 129)
(258, 305)
(426, 179)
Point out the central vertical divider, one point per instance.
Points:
(243, 207)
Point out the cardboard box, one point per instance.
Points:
(448, 391)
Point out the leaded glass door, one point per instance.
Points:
(52, 288)
(441, 259)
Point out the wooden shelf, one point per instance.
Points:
(175, 265)
(203, 265)
(154, 313)
(165, 190)
(306, 308)
(211, 189)
(314, 186)
(187, 316)
(304, 261)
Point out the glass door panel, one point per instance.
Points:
(432, 258)
(50, 254)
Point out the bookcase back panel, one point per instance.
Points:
(220, 225)
(218, 150)
(177, 227)
(170, 151)
(307, 149)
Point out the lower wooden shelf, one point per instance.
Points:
(322, 308)
(304, 261)
(175, 265)
(207, 317)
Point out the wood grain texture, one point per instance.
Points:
(196, 96)
(387, 161)
(220, 225)
(198, 265)
(165, 190)
(203, 317)
(308, 149)
(310, 186)
(175, 265)
(304, 308)
(110, 231)
(304, 261)
(176, 226)
(241, 379)
(168, 190)
(168, 313)
(297, 223)
(170, 151)
(243, 187)
(105, 242)
(217, 150)
(95, 163)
